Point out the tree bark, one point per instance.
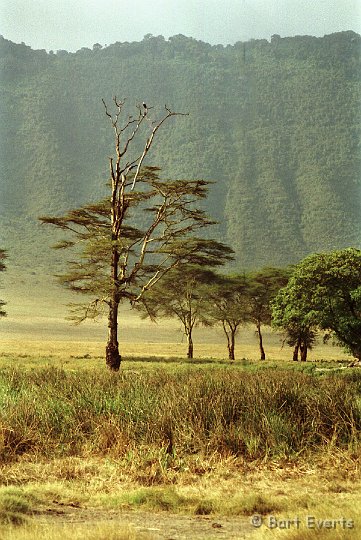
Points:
(295, 352)
(190, 345)
(231, 344)
(304, 350)
(112, 356)
(260, 340)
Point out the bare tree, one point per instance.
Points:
(141, 231)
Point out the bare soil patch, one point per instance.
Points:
(155, 526)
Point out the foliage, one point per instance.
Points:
(227, 305)
(89, 230)
(275, 124)
(325, 291)
(262, 287)
(182, 293)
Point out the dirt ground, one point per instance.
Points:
(154, 526)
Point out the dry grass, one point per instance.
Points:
(175, 413)
(88, 353)
(83, 531)
(327, 488)
(105, 480)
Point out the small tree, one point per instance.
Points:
(116, 259)
(182, 292)
(227, 305)
(2, 268)
(262, 288)
(325, 292)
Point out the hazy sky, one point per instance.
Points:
(72, 24)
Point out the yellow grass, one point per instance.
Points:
(143, 339)
(37, 335)
(36, 325)
(329, 488)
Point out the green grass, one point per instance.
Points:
(15, 505)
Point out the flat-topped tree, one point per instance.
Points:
(226, 305)
(125, 243)
(183, 292)
(262, 287)
(2, 268)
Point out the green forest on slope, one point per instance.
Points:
(275, 125)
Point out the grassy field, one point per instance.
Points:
(36, 328)
(170, 448)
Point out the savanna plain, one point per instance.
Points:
(170, 448)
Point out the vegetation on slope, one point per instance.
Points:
(275, 124)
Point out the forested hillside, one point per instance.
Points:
(276, 126)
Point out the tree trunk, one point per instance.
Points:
(295, 352)
(356, 352)
(190, 345)
(231, 343)
(112, 356)
(304, 350)
(260, 340)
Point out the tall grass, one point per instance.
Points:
(54, 413)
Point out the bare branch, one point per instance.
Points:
(150, 139)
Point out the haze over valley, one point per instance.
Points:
(274, 124)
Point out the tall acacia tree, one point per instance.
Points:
(128, 241)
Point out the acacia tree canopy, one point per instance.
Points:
(156, 233)
(227, 305)
(262, 287)
(183, 292)
(325, 292)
